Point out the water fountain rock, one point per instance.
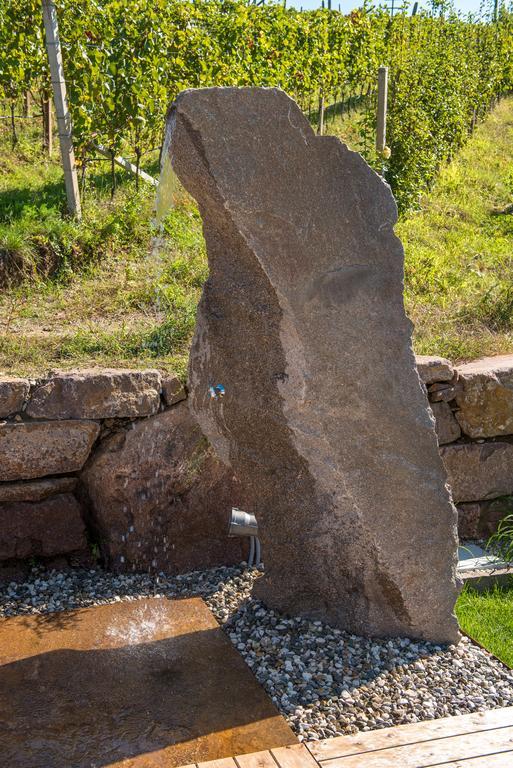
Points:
(302, 323)
(160, 498)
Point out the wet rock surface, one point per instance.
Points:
(115, 683)
(302, 323)
(37, 490)
(159, 497)
(96, 394)
(326, 682)
(36, 449)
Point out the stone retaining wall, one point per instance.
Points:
(110, 463)
(473, 409)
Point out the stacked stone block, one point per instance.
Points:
(473, 409)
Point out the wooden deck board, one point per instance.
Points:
(295, 756)
(434, 752)
(256, 760)
(480, 740)
(223, 762)
(412, 733)
(501, 760)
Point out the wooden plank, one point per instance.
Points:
(412, 733)
(502, 760)
(429, 753)
(295, 756)
(224, 762)
(256, 760)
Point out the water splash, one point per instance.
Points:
(146, 622)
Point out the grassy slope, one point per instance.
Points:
(488, 618)
(459, 256)
(119, 299)
(120, 296)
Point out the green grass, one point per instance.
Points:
(488, 618)
(459, 255)
(105, 292)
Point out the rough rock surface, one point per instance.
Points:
(444, 391)
(485, 399)
(173, 391)
(302, 322)
(36, 449)
(479, 519)
(160, 499)
(13, 393)
(447, 428)
(42, 529)
(96, 394)
(478, 471)
(36, 490)
(432, 369)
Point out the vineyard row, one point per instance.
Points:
(125, 61)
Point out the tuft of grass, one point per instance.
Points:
(458, 251)
(488, 618)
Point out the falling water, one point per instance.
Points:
(167, 189)
(166, 197)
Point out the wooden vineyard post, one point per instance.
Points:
(53, 48)
(13, 124)
(381, 121)
(26, 104)
(47, 127)
(320, 125)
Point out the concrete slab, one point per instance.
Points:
(481, 580)
(142, 684)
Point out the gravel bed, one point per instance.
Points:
(324, 681)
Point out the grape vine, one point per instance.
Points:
(125, 61)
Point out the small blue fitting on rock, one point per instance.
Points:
(216, 392)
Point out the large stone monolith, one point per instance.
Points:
(302, 322)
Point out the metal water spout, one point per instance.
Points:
(245, 524)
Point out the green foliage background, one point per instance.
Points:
(125, 61)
